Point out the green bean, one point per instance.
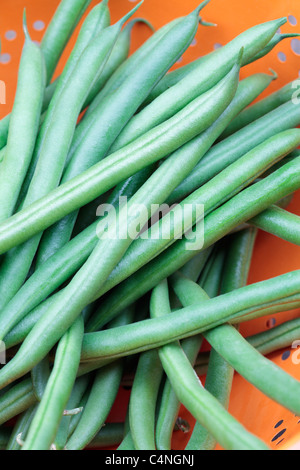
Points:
(143, 399)
(220, 374)
(45, 423)
(96, 132)
(153, 115)
(271, 45)
(211, 195)
(4, 438)
(49, 276)
(111, 249)
(127, 443)
(100, 401)
(280, 223)
(110, 435)
(69, 98)
(21, 428)
(170, 405)
(203, 406)
(214, 65)
(16, 400)
(23, 126)
(77, 394)
(129, 67)
(68, 259)
(40, 375)
(106, 386)
(228, 151)
(277, 338)
(260, 109)
(59, 31)
(76, 418)
(154, 145)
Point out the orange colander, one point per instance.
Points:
(278, 427)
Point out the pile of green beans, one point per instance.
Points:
(130, 201)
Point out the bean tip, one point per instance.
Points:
(129, 15)
(201, 6)
(274, 75)
(206, 23)
(133, 22)
(25, 27)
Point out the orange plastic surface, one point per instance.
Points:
(272, 256)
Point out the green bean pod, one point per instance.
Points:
(163, 107)
(213, 194)
(277, 338)
(280, 223)
(21, 428)
(49, 276)
(45, 423)
(154, 145)
(68, 259)
(143, 400)
(97, 133)
(110, 435)
(67, 99)
(40, 375)
(272, 44)
(231, 149)
(263, 107)
(59, 31)
(98, 406)
(23, 126)
(80, 387)
(16, 400)
(178, 255)
(216, 64)
(203, 406)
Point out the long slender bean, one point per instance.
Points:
(215, 63)
(100, 401)
(143, 400)
(206, 409)
(261, 108)
(231, 149)
(211, 195)
(96, 131)
(23, 126)
(60, 30)
(59, 267)
(21, 428)
(16, 400)
(45, 423)
(280, 223)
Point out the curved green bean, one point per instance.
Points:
(280, 223)
(203, 406)
(45, 423)
(23, 126)
(16, 400)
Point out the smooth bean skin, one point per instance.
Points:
(68, 259)
(68, 98)
(49, 276)
(154, 145)
(211, 195)
(21, 428)
(280, 223)
(110, 435)
(204, 407)
(60, 30)
(213, 65)
(24, 124)
(231, 149)
(217, 224)
(260, 109)
(143, 400)
(45, 423)
(97, 133)
(98, 406)
(152, 115)
(16, 400)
